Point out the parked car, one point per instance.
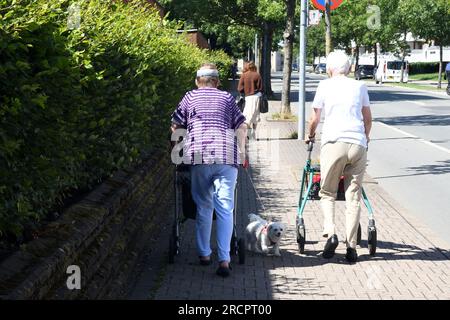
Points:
(390, 71)
(364, 71)
(321, 68)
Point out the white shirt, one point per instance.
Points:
(342, 100)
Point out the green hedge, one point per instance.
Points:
(78, 104)
(424, 67)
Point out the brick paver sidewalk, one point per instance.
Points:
(409, 264)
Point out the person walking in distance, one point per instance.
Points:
(250, 84)
(345, 136)
(447, 73)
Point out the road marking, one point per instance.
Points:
(415, 137)
(417, 102)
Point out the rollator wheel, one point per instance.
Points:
(301, 238)
(241, 251)
(358, 239)
(372, 241)
(172, 248)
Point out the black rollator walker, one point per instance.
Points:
(309, 190)
(185, 208)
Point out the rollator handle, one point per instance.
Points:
(310, 148)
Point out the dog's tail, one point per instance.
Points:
(253, 217)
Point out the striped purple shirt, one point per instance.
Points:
(211, 117)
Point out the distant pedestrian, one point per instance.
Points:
(251, 86)
(212, 120)
(447, 72)
(345, 135)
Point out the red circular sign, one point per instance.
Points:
(320, 4)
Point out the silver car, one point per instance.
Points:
(321, 68)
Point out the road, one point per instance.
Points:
(409, 155)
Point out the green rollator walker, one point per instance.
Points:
(309, 190)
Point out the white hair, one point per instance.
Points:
(338, 63)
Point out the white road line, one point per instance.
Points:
(415, 137)
(417, 102)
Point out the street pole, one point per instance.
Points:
(256, 51)
(328, 24)
(302, 70)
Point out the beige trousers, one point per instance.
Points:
(342, 159)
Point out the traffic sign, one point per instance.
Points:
(320, 4)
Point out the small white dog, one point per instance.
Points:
(263, 236)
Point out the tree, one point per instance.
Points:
(288, 49)
(367, 23)
(316, 46)
(432, 22)
(350, 23)
(271, 12)
(381, 25)
(263, 16)
(402, 22)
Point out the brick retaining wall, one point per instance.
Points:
(104, 234)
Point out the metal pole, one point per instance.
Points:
(302, 70)
(256, 51)
(328, 25)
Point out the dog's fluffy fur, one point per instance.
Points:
(263, 236)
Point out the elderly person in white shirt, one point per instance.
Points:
(345, 135)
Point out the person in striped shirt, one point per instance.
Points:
(214, 133)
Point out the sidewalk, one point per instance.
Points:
(409, 264)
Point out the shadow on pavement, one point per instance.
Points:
(293, 96)
(403, 251)
(388, 96)
(443, 167)
(422, 120)
(398, 251)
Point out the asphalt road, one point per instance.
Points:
(409, 152)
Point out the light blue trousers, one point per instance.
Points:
(213, 188)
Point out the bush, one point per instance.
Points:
(424, 67)
(77, 105)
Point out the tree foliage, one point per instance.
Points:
(78, 104)
(430, 20)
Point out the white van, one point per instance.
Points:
(390, 71)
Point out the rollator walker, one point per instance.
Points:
(309, 190)
(185, 208)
